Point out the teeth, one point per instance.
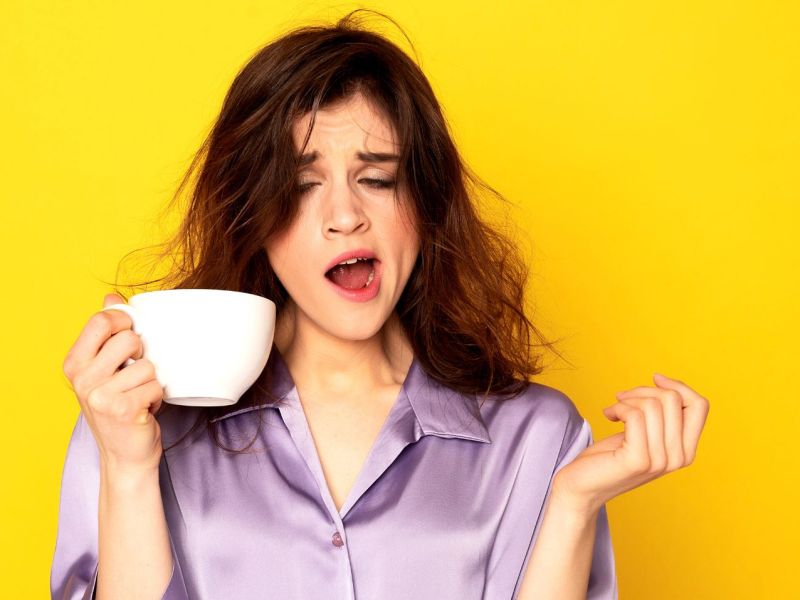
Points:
(371, 274)
(351, 261)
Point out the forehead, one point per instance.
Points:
(355, 120)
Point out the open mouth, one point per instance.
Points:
(354, 275)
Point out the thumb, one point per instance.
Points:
(112, 298)
(609, 444)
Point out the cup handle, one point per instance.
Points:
(128, 309)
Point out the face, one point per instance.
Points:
(347, 203)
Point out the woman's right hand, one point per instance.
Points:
(119, 403)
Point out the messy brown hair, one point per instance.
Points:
(463, 308)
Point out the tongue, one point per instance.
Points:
(351, 276)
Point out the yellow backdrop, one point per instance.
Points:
(651, 150)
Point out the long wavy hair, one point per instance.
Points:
(463, 308)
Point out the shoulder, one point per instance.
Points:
(538, 403)
(539, 413)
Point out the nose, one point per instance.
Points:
(343, 211)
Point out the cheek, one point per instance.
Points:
(405, 238)
(274, 250)
(281, 247)
(280, 253)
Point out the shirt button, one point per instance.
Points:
(337, 539)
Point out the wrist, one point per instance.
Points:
(574, 506)
(570, 513)
(125, 475)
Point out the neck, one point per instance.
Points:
(324, 366)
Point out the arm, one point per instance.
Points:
(134, 543)
(663, 424)
(74, 570)
(562, 556)
(572, 556)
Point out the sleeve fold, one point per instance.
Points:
(73, 573)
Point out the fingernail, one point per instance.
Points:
(660, 375)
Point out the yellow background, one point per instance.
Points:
(650, 148)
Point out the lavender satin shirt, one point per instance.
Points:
(447, 505)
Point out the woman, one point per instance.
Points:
(406, 454)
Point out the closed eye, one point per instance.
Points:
(370, 181)
(378, 183)
(304, 187)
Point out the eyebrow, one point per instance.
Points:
(369, 157)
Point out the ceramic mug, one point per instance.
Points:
(208, 346)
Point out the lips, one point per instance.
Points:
(357, 253)
(364, 294)
(349, 285)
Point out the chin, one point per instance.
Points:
(354, 329)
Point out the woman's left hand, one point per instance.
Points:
(662, 429)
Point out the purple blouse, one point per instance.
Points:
(447, 505)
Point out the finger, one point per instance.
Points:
(672, 407)
(654, 424)
(110, 358)
(671, 383)
(119, 348)
(101, 326)
(112, 298)
(146, 399)
(156, 407)
(695, 413)
(640, 391)
(135, 405)
(672, 404)
(609, 444)
(634, 448)
(132, 376)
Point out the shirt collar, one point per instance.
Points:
(439, 410)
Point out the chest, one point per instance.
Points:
(344, 433)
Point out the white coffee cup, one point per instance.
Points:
(208, 346)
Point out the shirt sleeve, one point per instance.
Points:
(73, 573)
